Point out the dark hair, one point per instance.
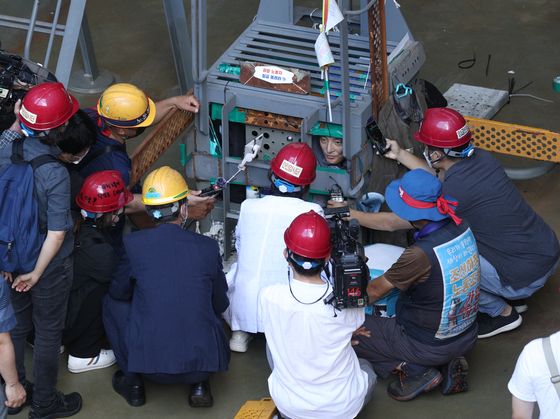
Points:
(296, 261)
(77, 136)
(105, 222)
(276, 192)
(166, 211)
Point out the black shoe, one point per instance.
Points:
(519, 305)
(200, 395)
(413, 380)
(133, 392)
(492, 326)
(62, 406)
(455, 376)
(28, 386)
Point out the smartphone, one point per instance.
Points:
(376, 137)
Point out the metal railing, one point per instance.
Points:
(75, 31)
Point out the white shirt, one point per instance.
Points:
(316, 372)
(260, 259)
(530, 381)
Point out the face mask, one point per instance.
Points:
(81, 158)
(426, 155)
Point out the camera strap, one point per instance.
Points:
(301, 302)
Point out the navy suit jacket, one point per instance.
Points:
(177, 291)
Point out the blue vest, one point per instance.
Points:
(444, 306)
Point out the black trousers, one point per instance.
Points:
(85, 337)
(389, 345)
(44, 309)
(187, 378)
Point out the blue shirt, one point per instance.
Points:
(7, 137)
(115, 160)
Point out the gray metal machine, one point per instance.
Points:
(283, 35)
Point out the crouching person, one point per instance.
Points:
(162, 313)
(315, 372)
(101, 200)
(439, 279)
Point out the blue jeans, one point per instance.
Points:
(43, 308)
(493, 292)
(3, 407)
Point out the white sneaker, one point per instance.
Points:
(239, 341)
(105, 359)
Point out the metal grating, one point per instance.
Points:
(378, 43)
(293, 46)
(475, 101)
(515, 140)
(272, 120)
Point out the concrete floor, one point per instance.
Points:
(131, 41)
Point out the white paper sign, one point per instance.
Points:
(273, 74)
(323, 51)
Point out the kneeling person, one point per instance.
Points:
(315, 372)
(162, 314)
(439, 280)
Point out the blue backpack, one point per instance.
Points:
(20, 235)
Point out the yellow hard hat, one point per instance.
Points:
(164, 186)
(125, 105)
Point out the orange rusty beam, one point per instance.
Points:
(378, 56)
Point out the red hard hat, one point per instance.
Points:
(309, 236)
(443, 128)
(295, 163)
(103, 191)
(47, 106)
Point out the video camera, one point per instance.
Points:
(350, 274)
(17, 76)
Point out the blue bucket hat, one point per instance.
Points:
(418, 196)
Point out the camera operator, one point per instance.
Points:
(439, 278)
(315, 373)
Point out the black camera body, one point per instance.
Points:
(349, 272)
(17, 76)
